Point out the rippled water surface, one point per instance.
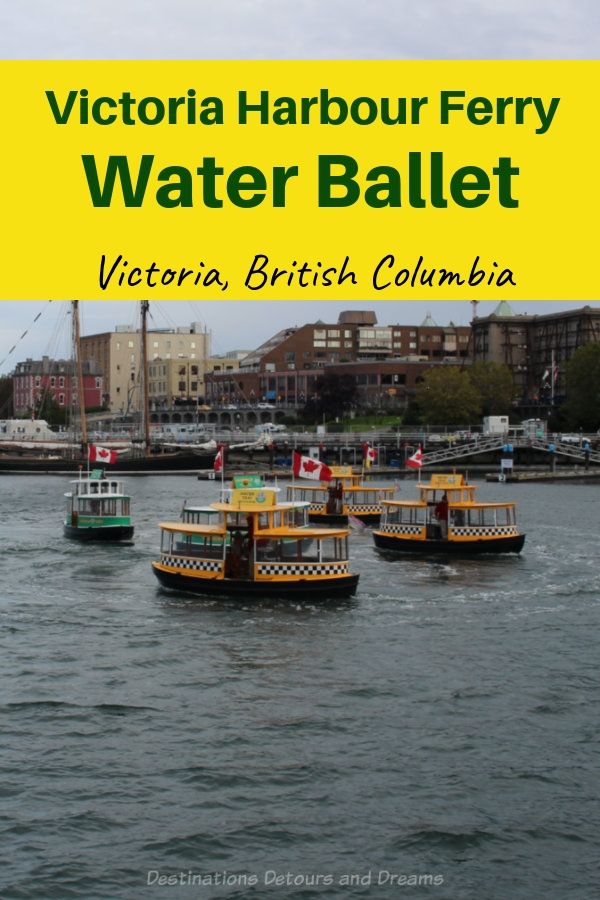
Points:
(443, 723)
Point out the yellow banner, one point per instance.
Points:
(299, 180)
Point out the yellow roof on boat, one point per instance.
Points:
(301, 532)
(190, 528)
(467, 504)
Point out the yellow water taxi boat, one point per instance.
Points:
(333, 502)
(251, 545)
(446, 518)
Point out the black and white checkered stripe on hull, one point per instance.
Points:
(364, 508)
(488, 531)
(198, 565)
(340, 568)
(402, 529)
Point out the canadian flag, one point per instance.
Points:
(101, 454)
(416, 460)
(218, 463)
(305, 467)
(369, 455)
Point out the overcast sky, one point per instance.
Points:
(275, 29)
(300, 29)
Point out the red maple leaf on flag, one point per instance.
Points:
(309, 465)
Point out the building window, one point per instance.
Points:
(61, 399)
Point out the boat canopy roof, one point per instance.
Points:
(499, 504)
(252, 505)
(273, 533)
(318, 533)
(458, 504)
(293, 504)
(190, 528)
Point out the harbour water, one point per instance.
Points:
(436, 736)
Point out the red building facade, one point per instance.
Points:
(37, 380)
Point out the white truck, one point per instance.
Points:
(495, 424)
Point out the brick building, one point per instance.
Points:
(284, 369)
(36, 380)
(535, 348)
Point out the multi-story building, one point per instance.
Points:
(535, 348)
(36, 380)
(181, 381)
(285, 368)
(118, 353)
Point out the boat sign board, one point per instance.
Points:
(253, 499)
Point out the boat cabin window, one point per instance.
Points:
(488, 517)
(404, 515)
(307, 494)
(356, 498)
(331, 549)
(286, 549)
(100, 506)
(199, 516)
(237, 519)
(297, 517)
(203, 546)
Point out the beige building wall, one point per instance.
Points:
(183, 379)
(119, 353)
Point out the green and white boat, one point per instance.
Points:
(98, 509)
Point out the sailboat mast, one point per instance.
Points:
(145, 405)
(79, 373)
